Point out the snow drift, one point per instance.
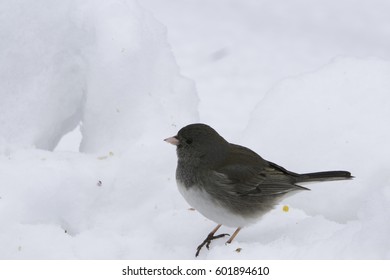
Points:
(107, 66)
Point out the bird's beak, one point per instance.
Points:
(172, 140)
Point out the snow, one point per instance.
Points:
(90, 89)
(135, 64)
(41, 72)
(345, 102)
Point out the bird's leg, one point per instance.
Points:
(208, 239)
(233, 236)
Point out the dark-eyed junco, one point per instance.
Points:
(230, 184)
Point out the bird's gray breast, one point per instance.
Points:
(188, 175)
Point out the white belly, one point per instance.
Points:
(211, 209)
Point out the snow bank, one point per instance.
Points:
(134, 86)
(108, 66)
(334, 118)
(42, 73)
(106, 63)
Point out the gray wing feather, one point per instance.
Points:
(245, 173)
(257, 185)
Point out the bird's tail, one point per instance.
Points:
(324, 176)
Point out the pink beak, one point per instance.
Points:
(172, 140)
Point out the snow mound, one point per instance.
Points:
(42, 73)
(106, 67)
(334, 118)
(132, 79)
(106, 64)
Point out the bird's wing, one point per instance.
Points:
(244, 172)
(260, 184)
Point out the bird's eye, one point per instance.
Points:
(189, 141)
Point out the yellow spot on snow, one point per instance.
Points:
(285, 208)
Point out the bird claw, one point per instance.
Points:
(208, 240)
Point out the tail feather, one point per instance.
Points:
(324, 176)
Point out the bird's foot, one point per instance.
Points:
(208, 240)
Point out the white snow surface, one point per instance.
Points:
(89, 90)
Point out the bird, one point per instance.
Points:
(231, 184)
